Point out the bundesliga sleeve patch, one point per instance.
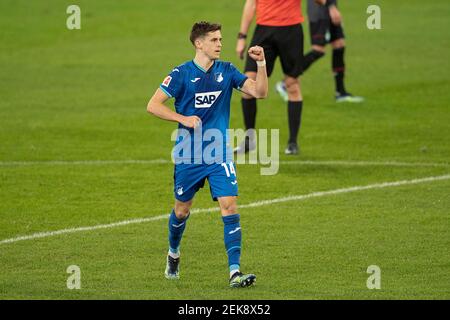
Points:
(166, 81)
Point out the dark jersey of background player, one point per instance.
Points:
(318, 12)
(325, 29)
(279, 31)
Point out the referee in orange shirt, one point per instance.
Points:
(280, 33)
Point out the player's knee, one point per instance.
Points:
(318, 48)
(293, 88)
(182, 209)
(228, 207)
(337, 44)
(232, 209)
(181, 213)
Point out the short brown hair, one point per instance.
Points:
(200, 29)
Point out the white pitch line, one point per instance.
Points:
(249, 205)
(367, 163)
(165, 161)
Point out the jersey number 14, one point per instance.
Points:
(229, 171)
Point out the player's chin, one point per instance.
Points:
(216, 55)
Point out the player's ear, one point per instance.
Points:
(198, 43)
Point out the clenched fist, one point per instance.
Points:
(256, 53)
(191, 121)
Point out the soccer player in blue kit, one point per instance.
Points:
(202, 90)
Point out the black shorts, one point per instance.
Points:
(319, 29)
(286, 42)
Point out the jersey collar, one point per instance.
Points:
(203, 70)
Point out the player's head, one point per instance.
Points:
(207, 38)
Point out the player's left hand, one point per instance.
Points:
(240, 48)
(256, 53)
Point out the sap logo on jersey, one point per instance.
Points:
(206, 99)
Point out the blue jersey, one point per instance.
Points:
(206, 94)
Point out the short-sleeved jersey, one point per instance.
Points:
(279, 13)
(206, 94)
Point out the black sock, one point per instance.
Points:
(310, 58)
(294, 118)
(249, 111)
(339, 69)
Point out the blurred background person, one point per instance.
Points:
(325, 26)
(279, 31)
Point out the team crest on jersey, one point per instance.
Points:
(206, 99)
(166, 81)
(218, 76)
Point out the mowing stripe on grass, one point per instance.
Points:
(79, 162)
(249, 205)
(165, 161)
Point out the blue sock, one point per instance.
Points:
(176, 229)
(232, 238)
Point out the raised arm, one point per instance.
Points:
(257, 88)
(157, 107)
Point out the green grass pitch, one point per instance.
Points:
(81, 95)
